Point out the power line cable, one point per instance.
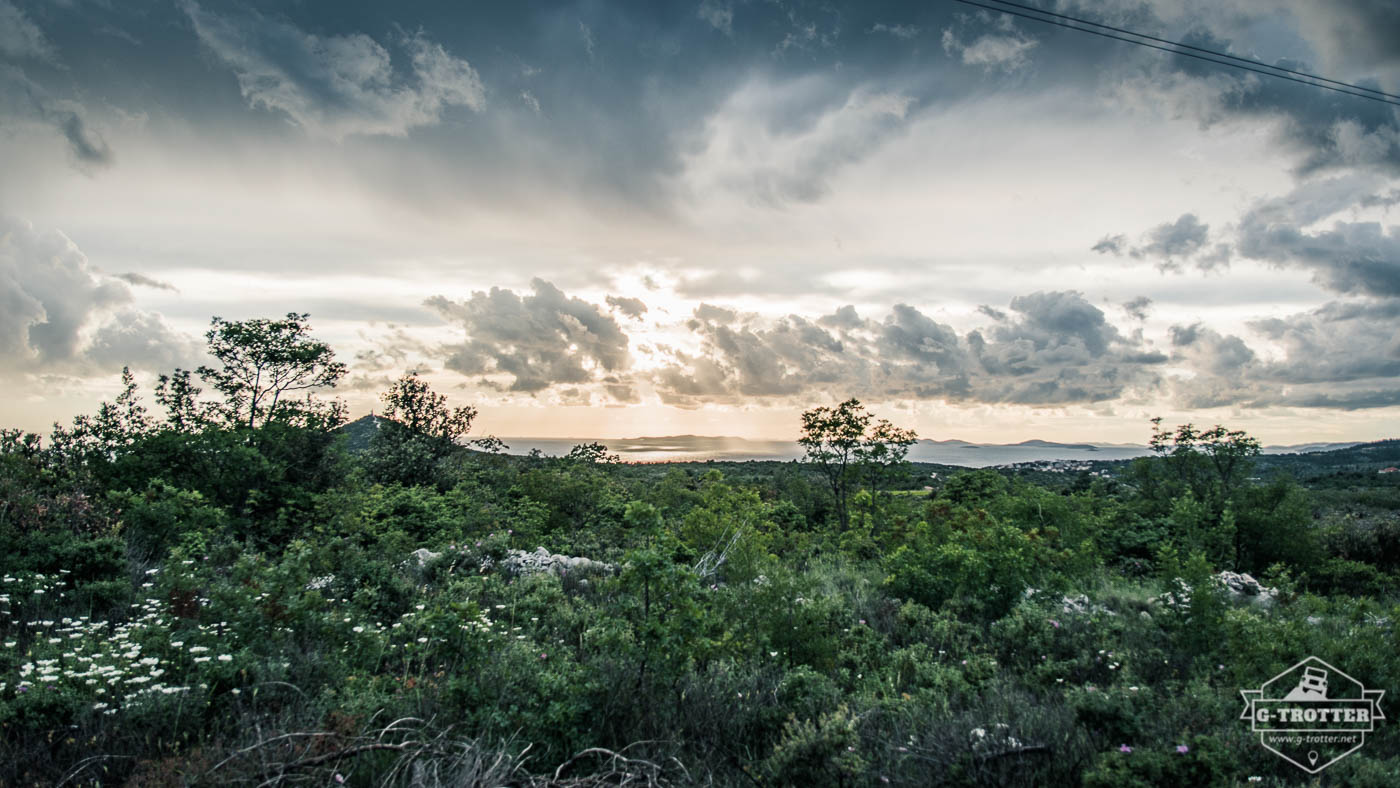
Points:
(1184, 54)
(1250, 61)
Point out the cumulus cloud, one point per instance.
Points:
(1050, 348)
(538, 340)
(337, 86)
(1181, 238)
(57, 313)
(1343, 355)
(1169, 244)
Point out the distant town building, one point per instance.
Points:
(1391, 469)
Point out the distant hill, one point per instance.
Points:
(358, 432)
(1366, 457)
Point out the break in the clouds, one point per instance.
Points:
(682, 213)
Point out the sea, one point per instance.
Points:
(700, 448)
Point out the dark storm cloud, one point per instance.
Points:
(1327, 130)
(21, 97)
(335, 86)
(1351, 258)
(57, 313)
(539, 340)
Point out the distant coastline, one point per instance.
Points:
(700, 448)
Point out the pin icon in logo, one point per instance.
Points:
(1312, 757)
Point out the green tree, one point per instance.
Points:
(592, 453)
(116, 428)
(1204, 471)
(418, 431)
(882, 454)
(264, 362)
(846, 442)
(184, 411)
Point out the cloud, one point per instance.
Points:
(715, 314)
(1050, 349)
(720, 16)
(1006, 49)
(1325, 130)
(1181, 238)
(631, 307)
(846, 318)
(20, 38)
(394, 349)
(1342, 355)
(1169, 243)
(778, 142)
(905, 32)
(1111, 244)
(57, 313)
(1138, 308)
(992, 312)
(23, 98)
(337, 86)
(586, 34)
(141, 280)
(537, 340)
(1361, 258)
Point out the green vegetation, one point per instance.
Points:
(241, 592)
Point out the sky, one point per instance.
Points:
(594, 219)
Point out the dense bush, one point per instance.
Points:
(203, 602)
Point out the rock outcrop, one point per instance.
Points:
(519, 563)
(1241, 587)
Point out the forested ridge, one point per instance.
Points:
(212, 582)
